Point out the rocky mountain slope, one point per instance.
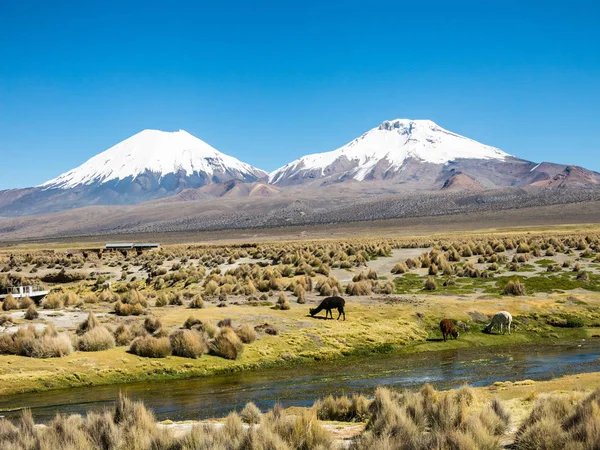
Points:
(423, 156)
(397, 157)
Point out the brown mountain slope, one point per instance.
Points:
(461, 182)
(571, 176)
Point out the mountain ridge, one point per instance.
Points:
(154, 151)
(401, 155)
(383, 151)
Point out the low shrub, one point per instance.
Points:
(250, 414)
(161, 301)
(5, 320)
(187, 344)
(363, 287)
(282, 302)
(89, 324)
(197, 302)
(25, 302)
(515, 288)
(31, 313)
(566, 322)
(430, 284)
(583, 277)
(151, 347)
(246, 333)
(226, 344)
(400, 268)
(96, 339)
(343, 409)
(9, 303)
(152, 324)
(35, 343)
(52, 301)
(63, 277)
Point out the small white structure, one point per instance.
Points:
(35, 292)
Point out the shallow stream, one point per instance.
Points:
(196, 399)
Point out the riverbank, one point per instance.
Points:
(517, 415)
(391, 324)
(518, 398)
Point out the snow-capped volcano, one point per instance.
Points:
(158, 154)
(384, 151)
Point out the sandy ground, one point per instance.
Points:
(61, 319)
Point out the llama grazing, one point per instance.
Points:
(448, 329)
(328, 304)
(501, 321)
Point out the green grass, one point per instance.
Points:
(545, 262)
(548, 283)
(413, 284)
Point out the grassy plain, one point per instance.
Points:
(243, 282)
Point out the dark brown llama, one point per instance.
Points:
(328, 304)
(448, 329)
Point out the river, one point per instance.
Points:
(202, 398)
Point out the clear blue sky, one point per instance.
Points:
(269, 81)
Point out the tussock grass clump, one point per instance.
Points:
(25, 302)
(89, 324)
(127, 309)
(515, 288)
(176, 299)
(583, 277)
(9, 303)
(151, 347)
(363, 287)
(246, 333)
(430, 284)
(250, 414)
(226, 344)
(188, 344)
(95, 340)
(343, 409)
(400, 268)
(224, 323)
(5, 320)
(124, 333)
(161, 300)
(282, 302)
(193, 323)
(31, 313)
(300, 293)
(52, 301)
(34, 343)
(152, 324)
(197, 302)
(428, 419)
(560, 421)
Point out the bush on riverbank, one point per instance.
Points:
(400, 420)
(226, 344)
(151, 347)
(28, 341)
(95, 340)
(188, 344)
(343, 409)
(559, 421)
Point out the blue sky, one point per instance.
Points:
(269, 81)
